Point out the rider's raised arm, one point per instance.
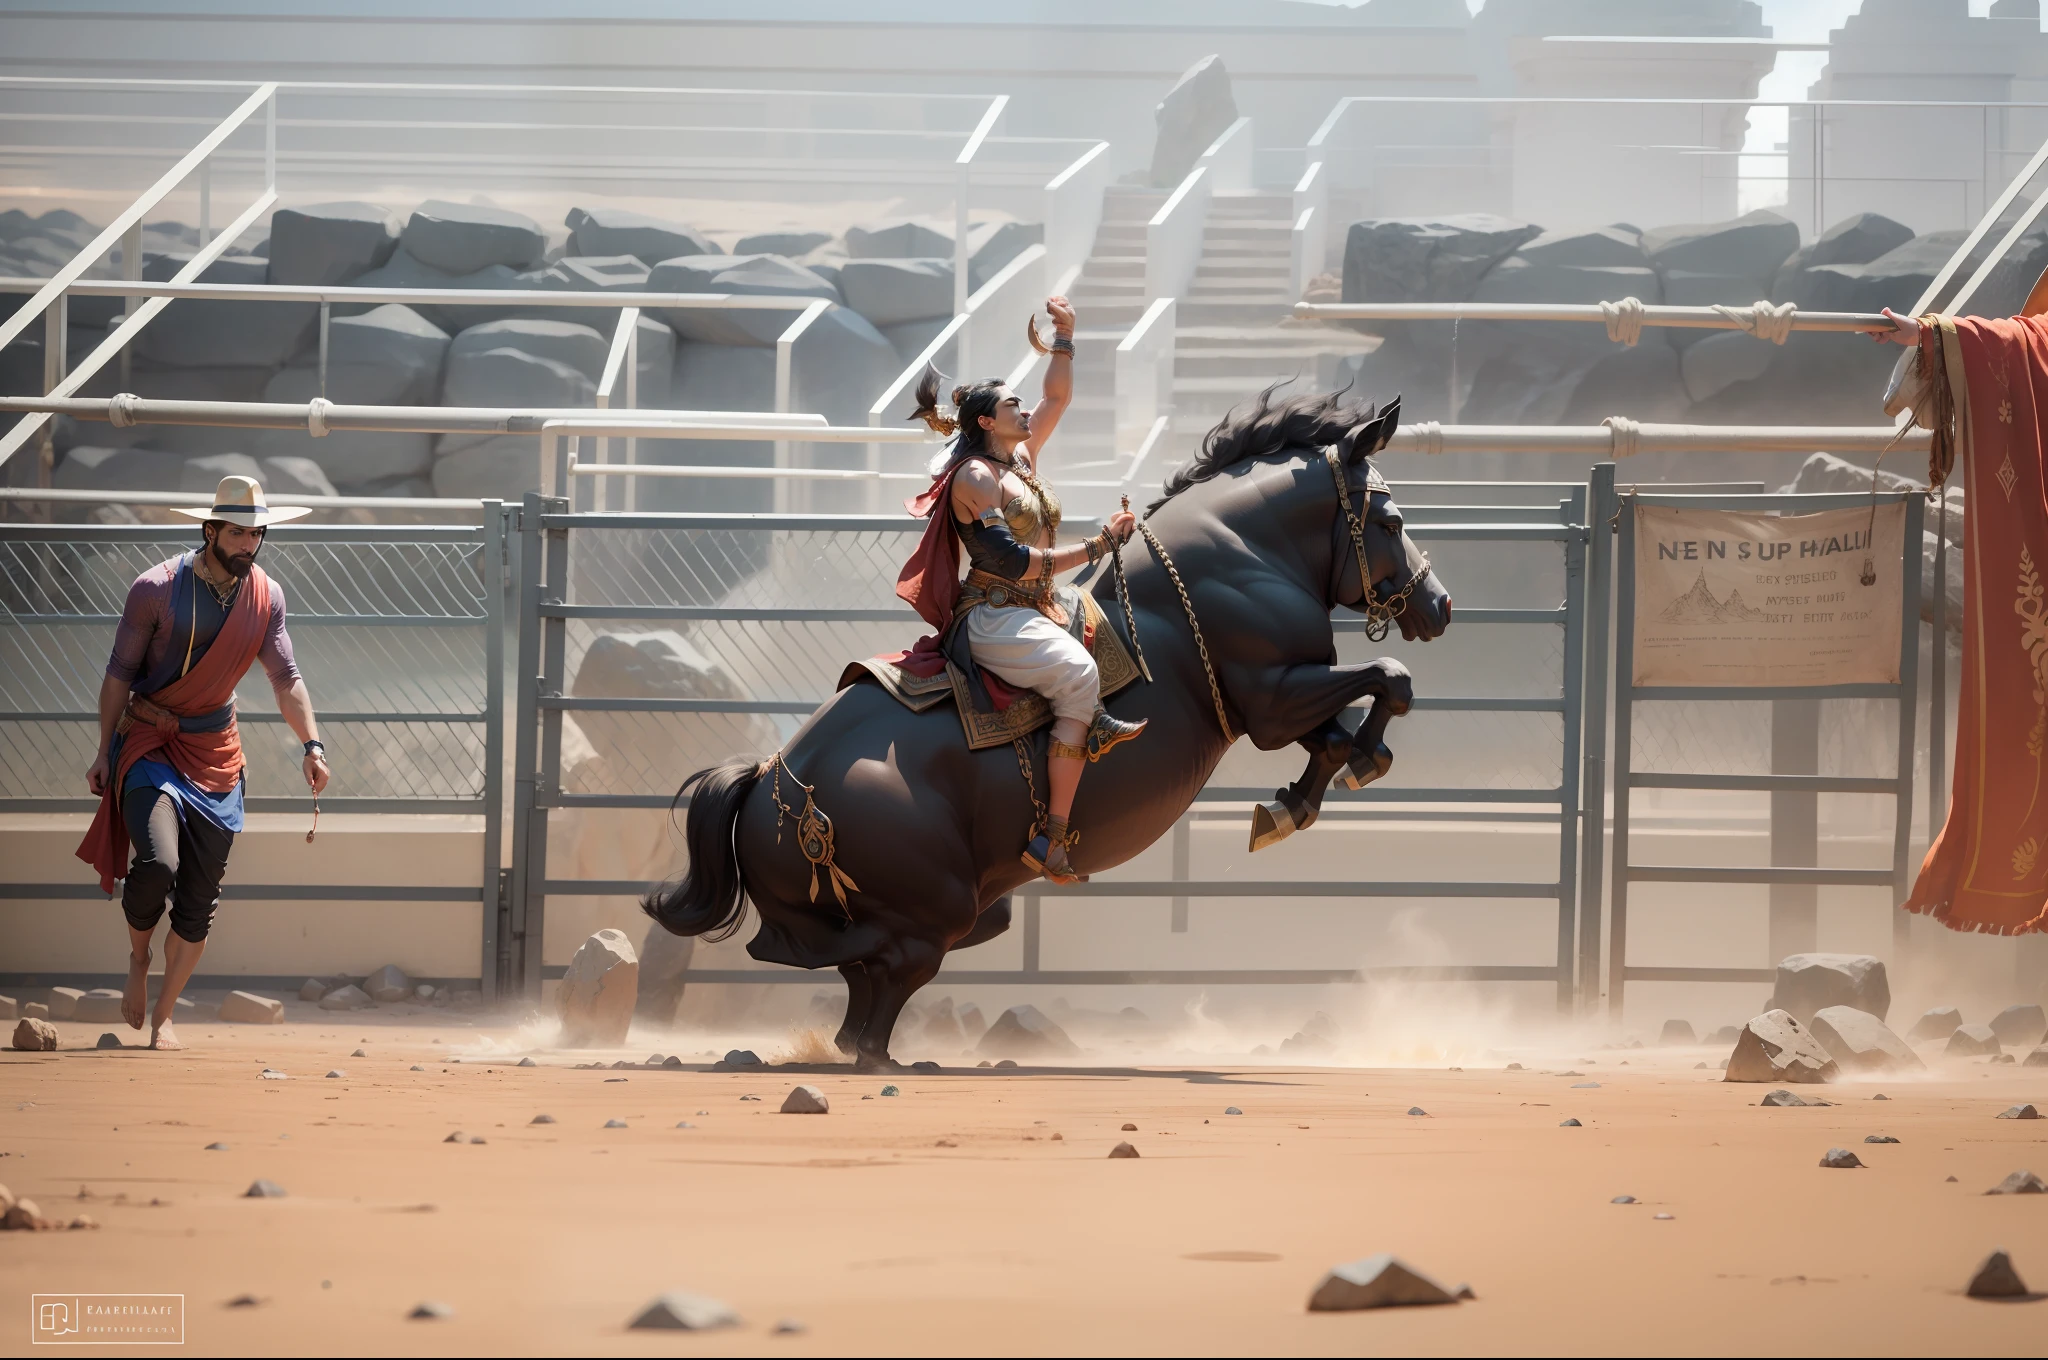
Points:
(1056, 393)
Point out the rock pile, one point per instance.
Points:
(889, 283)
(1536, 373)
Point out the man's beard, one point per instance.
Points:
(237, 567)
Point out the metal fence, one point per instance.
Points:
(651, 645)
(401, 629)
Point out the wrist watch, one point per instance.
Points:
(316, 745)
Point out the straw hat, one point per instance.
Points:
(240, 501)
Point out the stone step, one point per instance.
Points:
(1244, 267)
(1231, 293)
(1247, 231)
(1200, 312)
(1115, 267)
(1251, 205)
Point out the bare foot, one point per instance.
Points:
(135, 996)
(163, 1036)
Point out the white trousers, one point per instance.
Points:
(1023, 647)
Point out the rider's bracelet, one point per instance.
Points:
(1063, 344)
(316, 745)
(1094, 551)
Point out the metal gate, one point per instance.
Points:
(1794, 783)
(399, 628)
(763, 611)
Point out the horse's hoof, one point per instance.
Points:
(1366, 767)
(1271, 823)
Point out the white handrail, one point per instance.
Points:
(326, 416)
(1309, 243)
(1144, 369)
(1073, 210)
(1230, 159)
(1173, 238)
(1685, 318)
(494, 297)
(131, 216)
(68, 496)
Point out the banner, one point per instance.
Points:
(1732, 598)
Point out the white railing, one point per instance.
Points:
(1309, 242)
(1173, 238)
(1073, 211)
(963, 169)
(1230, 160)
(1144, 371)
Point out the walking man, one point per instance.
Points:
(169, 771)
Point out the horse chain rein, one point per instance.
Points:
(1188, 607)
(1379, 614)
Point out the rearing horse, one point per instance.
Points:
(929, 830)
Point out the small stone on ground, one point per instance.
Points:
(1376, 1282)
(542, 1119)
(1841, 1159)
(1123, 1150)
(1879, 1138)
(1623, 1199)
(805, 1100)
(1232, 1109)
(262, 1189)
(2021, 1112)
(677, 1311)
(108, 1041)
(615, 1123)
(1570, 1124)
(527, 1062)
(427, 1311)
(1996, 1279)
(2020, 1183)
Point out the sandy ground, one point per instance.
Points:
(949, 1220)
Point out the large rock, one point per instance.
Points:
(346, 998)
(616, 231)
(388, 356)
(329, 243)
(2019, 1026)
(1972, 1041)
(1808, 982)
(1195, 112)
(660, 665)
(470, 376)
(899, 238)
(389, 984)
(63, 1002)
(805, 1100)
(197, 333)
(1376, 1282)
(247, 1008)
(35, 1036)
(1938, 1023)
(1427, 259)
(402, 270)
(791, 243)
(1749, 247)
(1860, 1042)
(514, 362)
(750, 275)
(461, 238)
(1776, 1047)
(664, 958)
(587, 274)
(1894, 279)
(1026, 1032)
(1602, 247)
(1853, 240)
(889, 292)
(598, 992)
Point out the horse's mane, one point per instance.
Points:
(1304, 423)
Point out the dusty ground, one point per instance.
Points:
(878, 1239)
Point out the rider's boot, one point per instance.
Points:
(1047, 853)
(1106, 732)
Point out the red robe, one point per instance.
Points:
(212, 760)
(1988, 870)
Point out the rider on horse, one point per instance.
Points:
(1004, 619)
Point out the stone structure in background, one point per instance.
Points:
(1195, 112)
(598, 992)
(1809, 982)
(329, 243)
(1860, 1042)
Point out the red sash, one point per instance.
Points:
(1987, 871)
(212, 760)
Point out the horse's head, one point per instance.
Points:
(1404, 588)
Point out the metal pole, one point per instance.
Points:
(1602, 511)
(525, 940)
(1573, 695)
(1181, 837)
(960, 289)
(1937, 678)
(1909, 679)
(632, 487)
(496, 900)
(1795, 827)
(270, 142)
(131, 270)
(1624, 716)
(548, 787)
(56, 363)
(326, 315)
(205, 201)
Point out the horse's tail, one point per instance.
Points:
(710, 899)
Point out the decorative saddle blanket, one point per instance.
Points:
(1028, 711)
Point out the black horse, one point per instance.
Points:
(930, 831)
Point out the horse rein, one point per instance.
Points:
(1380, 613)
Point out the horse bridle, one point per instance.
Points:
(1380, 611)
